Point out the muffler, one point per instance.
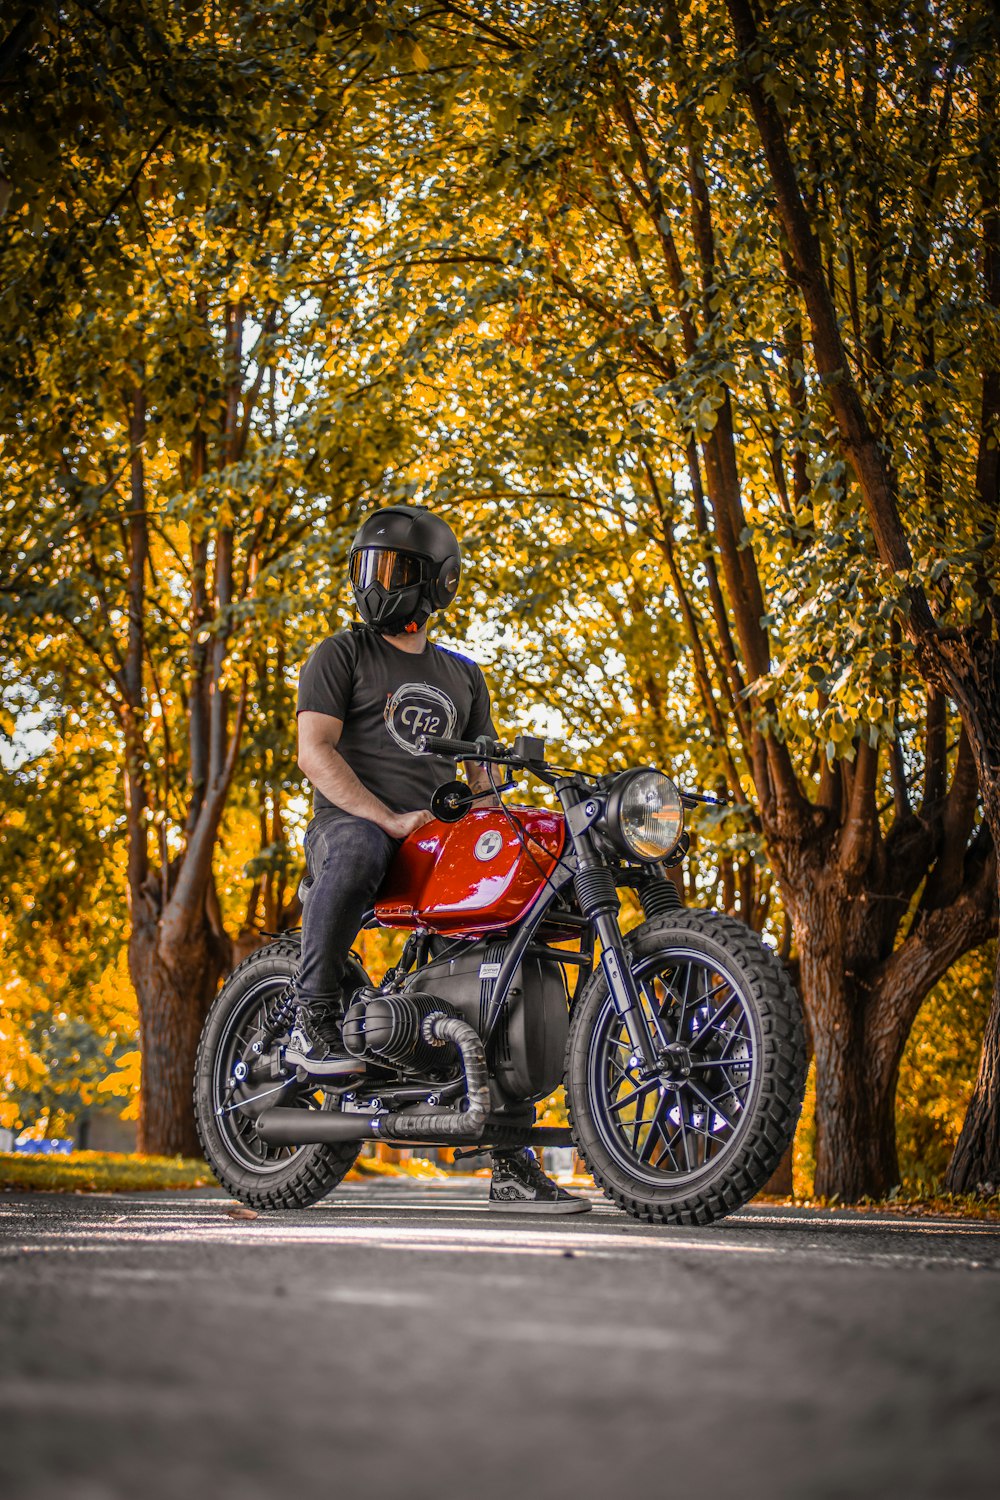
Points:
(310, 1127)
(313, 1127)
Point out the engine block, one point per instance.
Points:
(529, 1046)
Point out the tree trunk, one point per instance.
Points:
(855, 1127)
(855, 1107)
(174, 990)
(862, 990)
(975, 1163)
(855, 1134)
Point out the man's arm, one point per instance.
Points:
(480, 723)
(479, 782)
(328, 771)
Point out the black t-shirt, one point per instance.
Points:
(387, 698)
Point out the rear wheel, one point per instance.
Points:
(698, 1137)
(259, 1174)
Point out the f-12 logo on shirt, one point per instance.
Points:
(416, 708)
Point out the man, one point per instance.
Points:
(365, 698)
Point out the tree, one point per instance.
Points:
(956, 648)
(526, 260)
(64, 1026)
(229, 418)
(655, 385)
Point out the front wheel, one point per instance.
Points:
(698, 1138)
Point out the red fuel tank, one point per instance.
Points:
(472, 876)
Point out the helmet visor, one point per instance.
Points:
(385, 566)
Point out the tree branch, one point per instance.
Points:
(875, 476)
(860, 830)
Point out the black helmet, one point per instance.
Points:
(405, 563)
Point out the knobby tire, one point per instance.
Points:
(313, 1171)
(762, 1140)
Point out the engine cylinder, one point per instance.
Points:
(389, 1026)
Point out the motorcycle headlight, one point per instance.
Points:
(644, 815)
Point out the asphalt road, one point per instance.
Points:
(403, 1341)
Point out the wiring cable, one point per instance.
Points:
(520, 834)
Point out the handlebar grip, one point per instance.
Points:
(438, 744)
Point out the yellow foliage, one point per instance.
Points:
(112, 1003)
(21, 1069)
(804, 1148)
(378, 949)
(116, 1012)
(58, 1045)
(552, 1111)
(125, 1080)
(938, 1068)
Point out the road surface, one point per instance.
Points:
(400, 1340)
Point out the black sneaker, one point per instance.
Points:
(520, 1184)
(316, 1031)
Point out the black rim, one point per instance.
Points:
(238, 1131)
(680, 1123)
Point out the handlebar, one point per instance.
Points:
(528, 753)
(526, 750)
(439, 744)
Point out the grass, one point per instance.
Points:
(118, 1172)
(99, 1172)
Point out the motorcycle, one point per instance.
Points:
(680, 1042)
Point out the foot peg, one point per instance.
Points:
(324, 1068)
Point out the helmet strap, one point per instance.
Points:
(389, 626)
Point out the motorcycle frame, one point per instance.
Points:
(582, 805)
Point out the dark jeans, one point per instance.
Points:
(346, 859)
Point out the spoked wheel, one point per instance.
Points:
(259, 1174)
(698, 1137)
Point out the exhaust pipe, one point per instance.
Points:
(342, 1070)
(311, 1127)
(468, 1124)
(304, 1127)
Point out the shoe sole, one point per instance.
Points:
(566, 1206)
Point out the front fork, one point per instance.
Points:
(624, 991)
(598, 899)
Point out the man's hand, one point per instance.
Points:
(401, 825)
